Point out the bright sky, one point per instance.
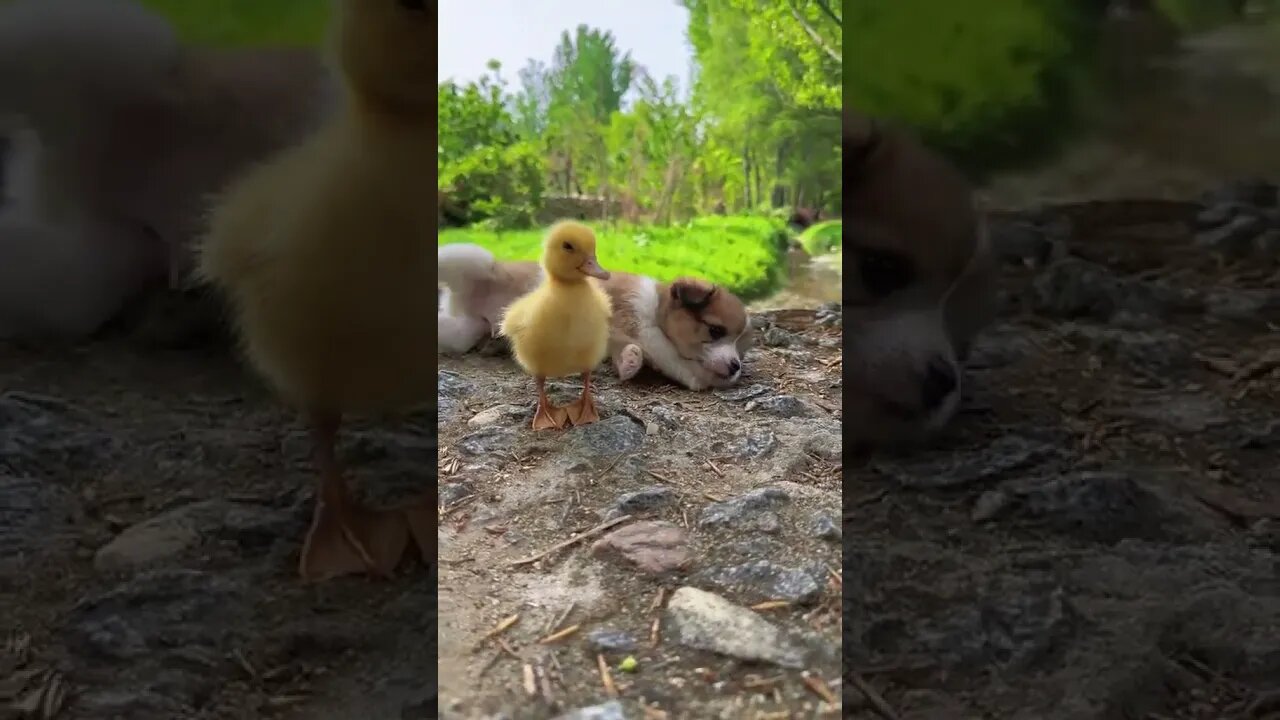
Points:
(472, 32)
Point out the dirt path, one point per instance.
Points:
(1098, 536)
(734, 492)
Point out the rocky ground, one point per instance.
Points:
(1097, 536)
(681, 555)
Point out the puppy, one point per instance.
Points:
(689, 330)
(921, 284)
(119, 133)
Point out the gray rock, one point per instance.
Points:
(612, 436)
(706, 621)
(505, 414)
(407, 443)
(451, 493)
(785, 406)
(825, 527)
(42, 435)
(1267, 244)
(487, 441)
(37, 521)
(1185, 413)
(649, 499)
(170, 534)
(1251, 192)
(1217, 215)
(761, 580)
(777, 337)
(1248, 306)
(611, 710)
(1159, 350)
(742, 393)
(450, 389)
(1018, 632)
(1074, 288)
(998, 347)
(1234, 239)
(1104, 507)
(1004, 455)
(608, 640)
(150, 641)
(754, 444)
(741, 511)
(1021, 243)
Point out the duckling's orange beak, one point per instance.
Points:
(592, 267)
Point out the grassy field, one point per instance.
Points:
(230, 23)
(822, 238)
(744, 254)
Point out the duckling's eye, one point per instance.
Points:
(568, 246)
(717, 331)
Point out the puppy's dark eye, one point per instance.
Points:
(884, 272)
(717, 331)
(417, 5)
(567, 246)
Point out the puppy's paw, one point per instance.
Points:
(628, 362)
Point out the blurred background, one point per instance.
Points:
(1060, 100)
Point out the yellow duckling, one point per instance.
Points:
(562, 327)
(324, 254)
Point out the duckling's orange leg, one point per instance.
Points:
(583, 410)
(346, 538)
(547, 416)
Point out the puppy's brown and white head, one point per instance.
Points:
(921, 284)
(706, 324)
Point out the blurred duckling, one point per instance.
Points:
(325, 255)
(562, 327)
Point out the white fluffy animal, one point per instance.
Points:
(119, 132)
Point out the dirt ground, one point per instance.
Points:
(1095, 537)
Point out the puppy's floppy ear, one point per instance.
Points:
(692, 293)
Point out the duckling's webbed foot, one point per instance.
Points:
(583, 410)
(547, 416)
(344, 537)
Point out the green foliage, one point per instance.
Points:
(1196, 14)
(761, 128)
(987, 86)
(744, 254)
(229, 23)
(823, 237)
(481, 157)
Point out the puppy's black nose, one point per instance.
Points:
(939, 382)
(734, 367)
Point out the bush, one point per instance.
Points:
(987, 85)
(822, 238)
(744, 254)
(230, 23)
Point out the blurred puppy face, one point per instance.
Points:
(707, 325)
(917, 285)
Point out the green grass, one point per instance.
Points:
(234, 23)
(822, 238)
(743, 254)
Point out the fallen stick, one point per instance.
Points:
(571, 541)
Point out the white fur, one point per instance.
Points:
(659, 352)
(111, 163)
(461, 266)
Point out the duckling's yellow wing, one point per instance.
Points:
(517, 319)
